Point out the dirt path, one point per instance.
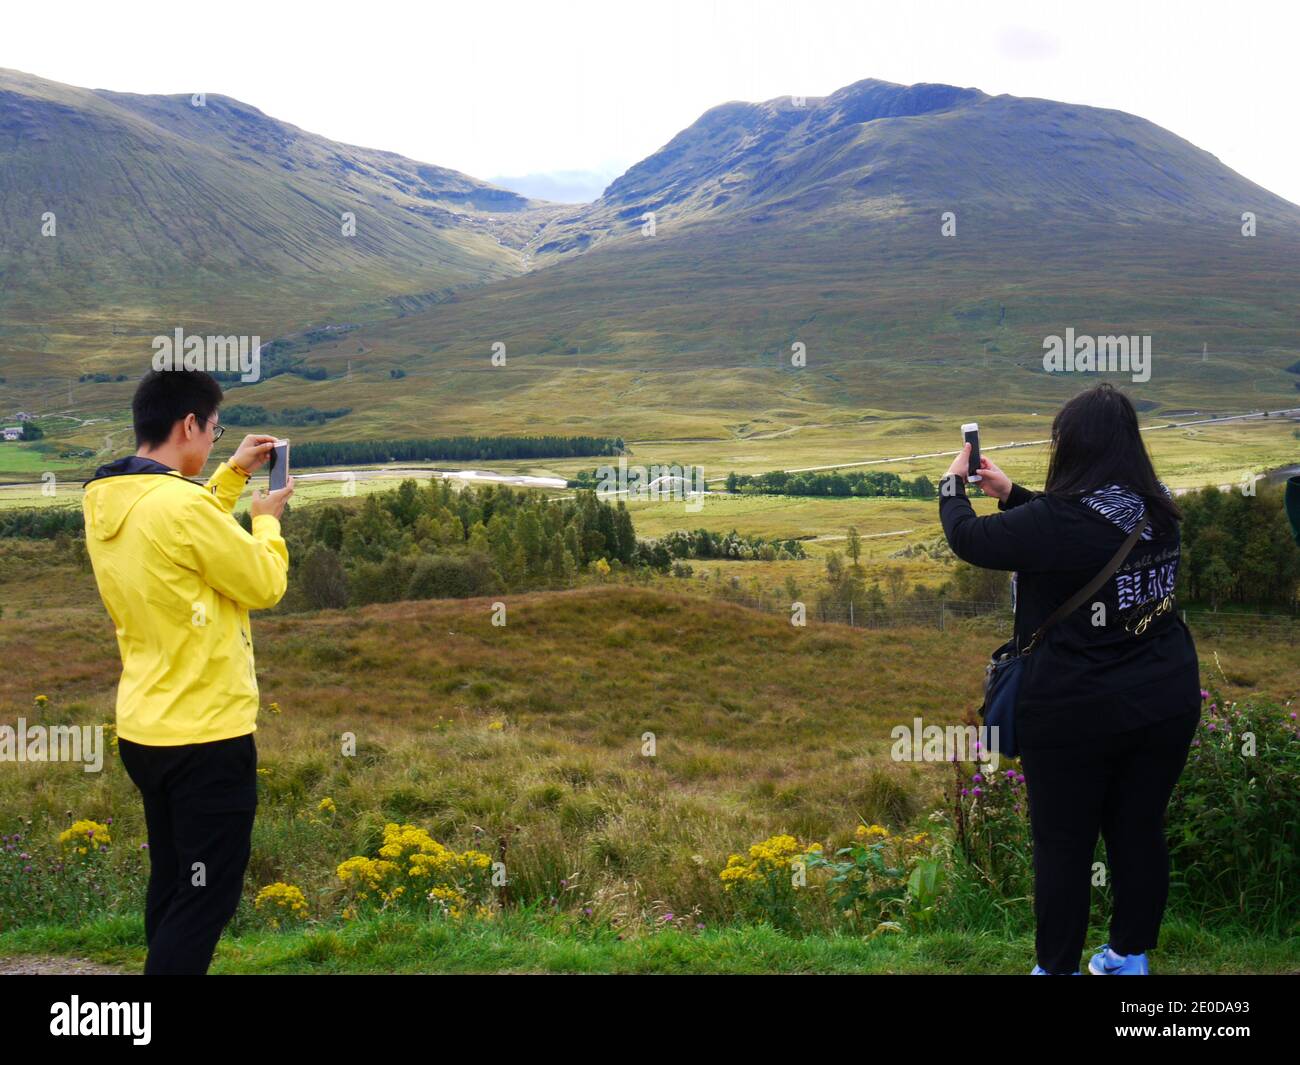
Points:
(56, 965)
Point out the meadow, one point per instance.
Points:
(526, 744)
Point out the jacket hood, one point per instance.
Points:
(129, 464)
(1121, 506)
(113, 492)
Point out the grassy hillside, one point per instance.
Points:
(527, 741)
(216, 218)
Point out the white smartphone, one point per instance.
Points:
(970, 434)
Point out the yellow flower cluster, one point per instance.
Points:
(284, 900)
(83, 836)
(367, 875)
(881, 832)
(772, 855)
(41, 701)
(326, 806)
(411, 850)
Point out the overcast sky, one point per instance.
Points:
(568, 90)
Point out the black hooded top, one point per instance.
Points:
(1123, 659)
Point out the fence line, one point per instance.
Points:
(997, 617)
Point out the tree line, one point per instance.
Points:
(452, 448)
(831, 483)
(1237, 548)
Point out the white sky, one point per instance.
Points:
(515, 88)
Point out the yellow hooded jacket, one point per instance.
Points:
(179, 575)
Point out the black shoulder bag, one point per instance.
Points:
(1006, 666)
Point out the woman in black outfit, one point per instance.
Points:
(1110, 696)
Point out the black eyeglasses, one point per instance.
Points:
(217, 430)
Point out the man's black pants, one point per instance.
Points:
(1119, 785)
(199, 803)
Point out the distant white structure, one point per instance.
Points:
(23, 416)
(12, 432)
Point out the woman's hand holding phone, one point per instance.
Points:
(993, 482)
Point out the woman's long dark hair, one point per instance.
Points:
(1095, 442)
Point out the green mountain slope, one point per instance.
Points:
(170, 214)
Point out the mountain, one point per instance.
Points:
(171, 214)
(820, 226)
(876, 150)
(814, 225)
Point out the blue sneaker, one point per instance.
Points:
(1038, 970)
(1107, 963)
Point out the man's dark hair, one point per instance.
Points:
(1095, 442)
(165, 397)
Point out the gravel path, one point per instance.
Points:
(54, 965)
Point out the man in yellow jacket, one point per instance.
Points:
(179, 575)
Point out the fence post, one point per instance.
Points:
(851, 613)
(943, 611)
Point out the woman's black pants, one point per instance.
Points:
(1119, 786)
(199, 804)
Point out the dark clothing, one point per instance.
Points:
(129, 464)
(199, 804)
(1108, 705)
(1292, 502)
(1105, 668)
(1119, 785)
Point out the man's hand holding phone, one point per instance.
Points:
(253, 451)
(271, 502)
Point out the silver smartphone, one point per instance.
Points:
(278, 465)
(970, 434)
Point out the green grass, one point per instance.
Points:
(534, 943)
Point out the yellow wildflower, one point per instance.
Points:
(282, 900)
(81, 836)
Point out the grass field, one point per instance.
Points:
(528, 741)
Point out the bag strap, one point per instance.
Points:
(1075, 601)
